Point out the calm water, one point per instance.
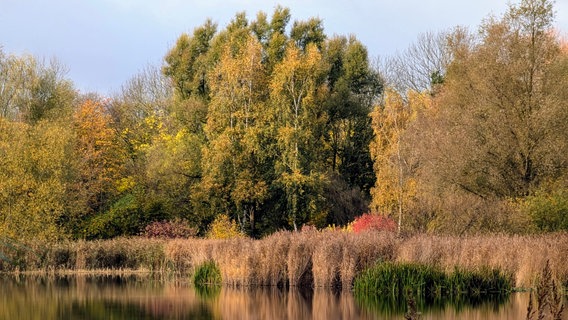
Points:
(105, 297)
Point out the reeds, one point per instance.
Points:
(207, 274)
(399, 286)
(548, 298)
(116, 254)
(522, 257)
(329, 258)
(397, 280)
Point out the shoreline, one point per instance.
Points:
(320, 259)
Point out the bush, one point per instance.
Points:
(224, 228)
(373, 222)
(548, 210)
(122, 219)
(178, 228)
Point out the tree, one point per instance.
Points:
(234, 127)
(275, 48)
(145, 96)
(172, 172)
(498, 130)
(353, 89)
(395, 186)
(296, 88)
(186, 63)
(508, 122)
(99, 162)
(147, 93)
(269, 127)
(306, 32)
(35, 166)
(31, 91)
(423, 64)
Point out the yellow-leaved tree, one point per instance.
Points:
(234, 129)
(34, 166)
(99, 162)
(296, 89)
(395, 186)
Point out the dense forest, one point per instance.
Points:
(275, 125)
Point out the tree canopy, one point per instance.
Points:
(271, 124)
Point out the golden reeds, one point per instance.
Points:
(328, 258)
(520, 256)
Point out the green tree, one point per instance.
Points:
(353, 89)
(306, 32)
(187, 64)
(280, 109)
(275, 48)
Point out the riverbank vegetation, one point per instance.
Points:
(400, 287)
(396, 280)
(328, 259)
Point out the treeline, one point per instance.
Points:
(472, 132)
(278, 125)
(267, 126)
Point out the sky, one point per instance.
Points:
(104, 43)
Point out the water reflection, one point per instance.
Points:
(135, 297)
(390, 306)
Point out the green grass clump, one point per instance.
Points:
(396, 280)
(207, 274)
(401, 280)
(475, 283)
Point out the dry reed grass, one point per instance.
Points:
(328, 258)
(272, 268)
(520, 256)
(309, 258)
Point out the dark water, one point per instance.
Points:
(133, 297)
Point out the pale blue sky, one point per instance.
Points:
(105, 42)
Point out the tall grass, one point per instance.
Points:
(522, 257)
(397, 280)
(120, 253)
(314, 258)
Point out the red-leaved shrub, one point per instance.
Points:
(376, 222)
(169, 230)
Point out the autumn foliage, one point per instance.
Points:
(264, 126)
(374, 222)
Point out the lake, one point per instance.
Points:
(144, 297)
